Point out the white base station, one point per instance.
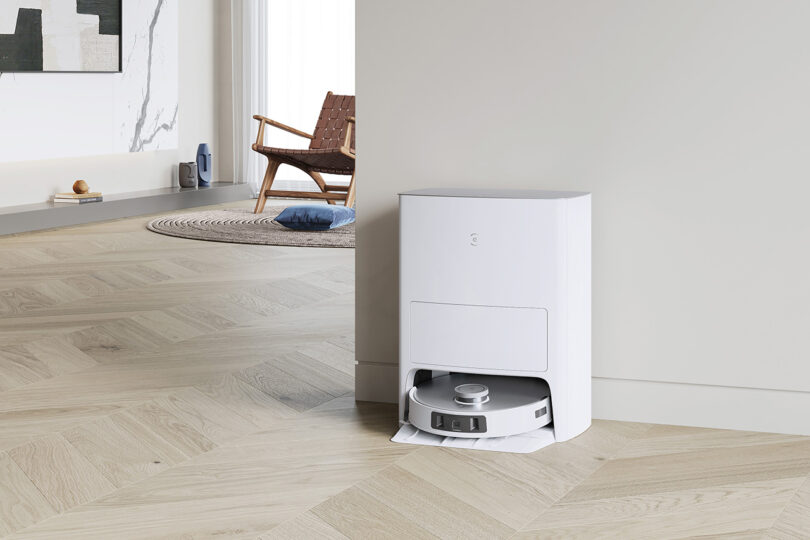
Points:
(495, 318)
(524, 443)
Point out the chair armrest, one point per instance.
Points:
(347, 142)
(264, 120)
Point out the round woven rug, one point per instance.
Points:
(242, 226)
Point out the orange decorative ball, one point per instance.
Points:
(80, 186)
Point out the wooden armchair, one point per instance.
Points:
(331, 151)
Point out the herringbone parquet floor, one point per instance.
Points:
(154, 387)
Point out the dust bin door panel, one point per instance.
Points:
(487, 337)
(493, 252)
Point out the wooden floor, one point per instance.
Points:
(154, 387)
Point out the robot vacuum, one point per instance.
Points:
(478, 406)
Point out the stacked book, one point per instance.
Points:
(78, 198)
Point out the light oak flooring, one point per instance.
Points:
(153, 387)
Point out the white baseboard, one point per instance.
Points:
(724, 407)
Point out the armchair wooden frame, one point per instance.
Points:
(324, 155)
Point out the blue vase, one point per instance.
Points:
(203, 165)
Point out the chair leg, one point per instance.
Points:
(320, 181)
(350, 193)
(269, 175)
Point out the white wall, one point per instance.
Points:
(199, 34)
(687, 120)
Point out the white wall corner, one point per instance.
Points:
(696, 266)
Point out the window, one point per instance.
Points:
(311, 51)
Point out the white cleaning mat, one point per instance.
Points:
(517, 444)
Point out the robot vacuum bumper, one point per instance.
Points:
(479, 406)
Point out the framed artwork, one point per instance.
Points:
(60, 35)
(132, 107)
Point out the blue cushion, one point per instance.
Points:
(315, 217)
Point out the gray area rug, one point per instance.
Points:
(241, 226)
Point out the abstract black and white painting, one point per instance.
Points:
(60, 35)
(132, 110)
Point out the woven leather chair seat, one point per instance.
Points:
(328, 160)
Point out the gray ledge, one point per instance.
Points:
(48, 215)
